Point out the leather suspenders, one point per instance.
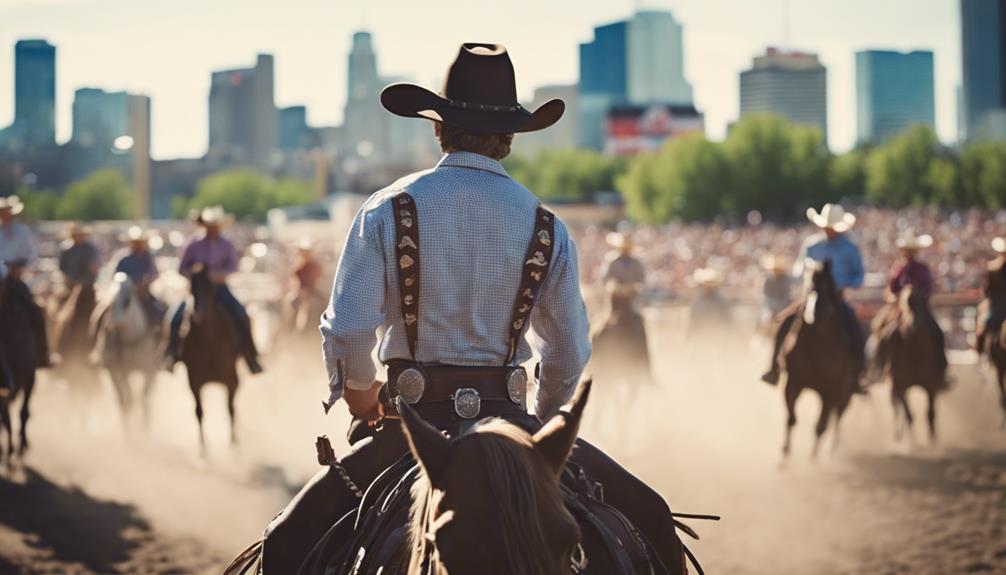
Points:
(407, 255)
(536, 265)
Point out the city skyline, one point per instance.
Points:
(311, 60)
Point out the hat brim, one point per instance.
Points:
(845, 224)
(412, 101)
(999, 245)
(919, 243)
(14, 209)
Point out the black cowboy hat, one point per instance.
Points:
(479, 94)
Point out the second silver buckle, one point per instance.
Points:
(467, 402)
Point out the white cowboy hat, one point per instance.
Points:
(304, 245)
(832, 216)
(910, 241)
(212, 216)
(619, 240)
(12, 203)
(707, 277)
(135, 234)
(999, 245)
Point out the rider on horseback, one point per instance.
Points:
(79, 261)
(832, 245)
(139, 266)
(17, 252)
(622, 273)
(307, 273)
(457, 355)
(215, 254)
(993, 311)
(909, 273)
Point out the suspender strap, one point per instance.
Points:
(407, 254)
(536, 266)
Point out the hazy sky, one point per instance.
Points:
(167, 48)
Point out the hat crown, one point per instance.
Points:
(481, 74)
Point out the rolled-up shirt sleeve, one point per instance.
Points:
(356, 310)
(561, 325)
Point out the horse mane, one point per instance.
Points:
(507, 454)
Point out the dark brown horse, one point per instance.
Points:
(210, 348)
(912, 342)
(621, 354)
(18, 359)
(997, 350)
(816, 356)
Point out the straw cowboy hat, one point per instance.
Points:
(619, 240)
(774, 263)
(212, 216)
(12, 204)
(707, 277)
(75, 230)
(999, 245)
(479, 94)
(832, 216)
(910, 241)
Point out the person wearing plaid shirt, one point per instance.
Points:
(474, 227)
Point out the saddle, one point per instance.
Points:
(378, 538)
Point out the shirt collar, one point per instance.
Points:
(472, 161)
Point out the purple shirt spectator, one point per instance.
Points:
(915, 274)
(217, 255)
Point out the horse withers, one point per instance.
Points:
(910, 346)
(19, 358)
(210, 348)
(818, 355)
(128, 341)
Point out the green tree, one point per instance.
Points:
(567, 175)
(687, 178)
(247, 194)
(847, 175)
(897, 173)
(39, 204)
(104, 195)
(983, 174)
(776, 167)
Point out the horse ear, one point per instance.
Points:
(428, 445)
(555, 440)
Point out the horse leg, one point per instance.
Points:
(9, 428)
(908, 417)
(931, 415)
(231, 392)
(896, 407)
(29, 386)
(196, 394)
(120, 381)
(1001, 379)
(148, 387)
(792, 392)
(827, 406)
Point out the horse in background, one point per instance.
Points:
(18, 360)
(816, 356)
(911, 347)
(128, 341)
(210, 349)
(72, 335)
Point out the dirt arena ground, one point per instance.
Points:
(90, 500)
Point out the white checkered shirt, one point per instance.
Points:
(475, 224)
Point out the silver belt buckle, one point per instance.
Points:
(516, 386)
(410, 385)
(467, 402)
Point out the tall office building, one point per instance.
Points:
(243, 115)
(656, 60)
(894, 91)
(365, 121)
(603, 80)
(793, 85)
(292, 131)
(112, 129)
(34, 96)
(983, 39)
(638, 61)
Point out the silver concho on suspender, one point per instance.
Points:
(467, 402)
(516, 385)
(411, 384)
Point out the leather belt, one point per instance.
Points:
(466, 387)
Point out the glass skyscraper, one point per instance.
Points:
(243, 114)
(983, 43)
(793, 85)
(604, 71)
(894, 91)
(34, 94)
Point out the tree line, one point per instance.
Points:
(774, 167)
